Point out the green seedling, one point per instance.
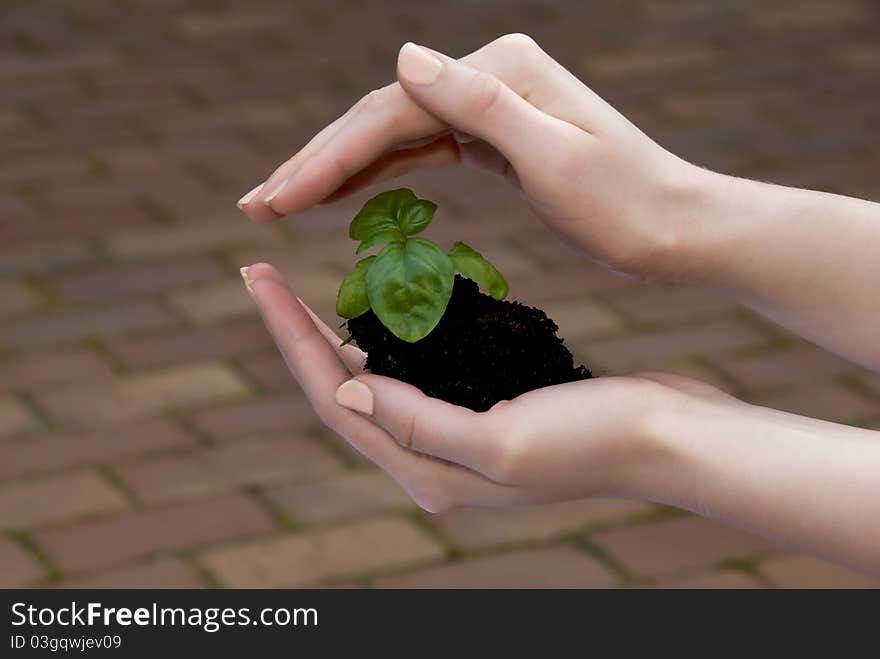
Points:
(409, 282)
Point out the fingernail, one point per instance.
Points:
(274, 192)
(250, 195)
(355, 395)
(248, 284)
(417, 65)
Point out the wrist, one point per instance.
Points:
(678, 432)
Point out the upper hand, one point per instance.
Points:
(509, 108)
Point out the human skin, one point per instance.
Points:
(805, 259)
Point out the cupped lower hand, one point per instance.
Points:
(590, 438)
(509, 108)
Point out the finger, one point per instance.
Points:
(254, 202)
(482, 105)
(352, 356)
(423, 424)
(394, 164)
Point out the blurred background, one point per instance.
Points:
(150, 434)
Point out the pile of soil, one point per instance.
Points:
(482, 351)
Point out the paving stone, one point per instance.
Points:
(185, 238)
(140, 395)
(647, 349)
(474, 528)
(16, 418)
(44, 257)
(290, 411)
(717, 579)
(831, 402)
(268, 371)
(553, 567)
(193, 343)
(125, 282)
(662, 304)
(809, 572)
(17, 568)
(124, 537)
(214, 303)
(792, 367)
(56, 452)
(676, 546)
(16, 299)
(252, 461)
(56, 499)
(68, 326)
(165, 573)
(345, 496)
(297, 560)
(52, 369)
(577, 318)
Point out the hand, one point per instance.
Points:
(564, 442)
(509, 108)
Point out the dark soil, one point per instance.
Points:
(481, 352)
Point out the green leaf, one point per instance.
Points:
(472, 265)
(393, 215)
(417, 216)
(409, 286)
(380, 238)
(352, 300)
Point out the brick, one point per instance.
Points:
(164, 573)
(830, 402)
(127, 536)
(646, 62)
(190, 344)
(346, 496)
(254, 461)
(17, 568)
(791, 367)
(681, 545)
(52, 369)
(56, 499)
(75, 325)
(553, 567)
(16, 298)
(189, 237)
(475, 528)
(809, 572)
(72, 222)
(44, 257)
(577, 318)
(203, 25)
(214, 303)
(659, 304)
(809, 14)
(314, 557)
(648, 349)
(57, 452)
(109, 283)
(717, 579)
(16, 418)
(268, 371)
(142, 394)
(266, 415)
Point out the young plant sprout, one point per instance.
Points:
(409, 282)
(420, 322)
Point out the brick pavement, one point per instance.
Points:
(149, 434)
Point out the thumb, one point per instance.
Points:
(480, 104)
(423, 424)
